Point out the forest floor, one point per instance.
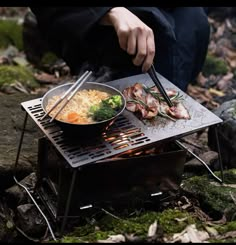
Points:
(194, 217)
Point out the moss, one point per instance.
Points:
(136, 225)
(49, 58)
(168, 220)
(214, 65)
(12, 74)
(222, 241)
(223, 229)
(214, 198)
(11, 34)
(230, 176)
(230, 226)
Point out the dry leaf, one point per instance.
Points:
(45, 78)
(152, 229)
(216, 92)
(191, 234)
(220, 31)
(229, 25)
(201, 80)
(212, 231)
(113, 239)
(116, 238)
(181, 220)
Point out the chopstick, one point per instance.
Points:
(65, 94)
(79, 83)
(155, 79)
(74, 87)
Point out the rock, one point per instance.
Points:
(12, 118)
(226, 132)
(197, 167)
(7, 231)
(30, 220)
(17, 74)
(17, 195)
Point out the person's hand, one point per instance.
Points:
(135, 37)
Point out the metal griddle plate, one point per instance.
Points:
(162, 129)
(128, 132)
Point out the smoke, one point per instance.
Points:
(100, 74)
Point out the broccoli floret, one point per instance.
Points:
(103, 113)
(114, 101)
(94, 108)
(106, 109)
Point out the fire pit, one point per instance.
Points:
(131, 160)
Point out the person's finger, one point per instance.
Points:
(131, 44)
(123, 39)
(141, 50)
(150, 53)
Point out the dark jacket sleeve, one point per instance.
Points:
(72, 22)
(75, 34)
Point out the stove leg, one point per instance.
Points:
(200, 160)
(219, 152)
(20, 143)
(21, 185)
(68, 201)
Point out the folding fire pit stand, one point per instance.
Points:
(127, 134)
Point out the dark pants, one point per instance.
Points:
(179, 60)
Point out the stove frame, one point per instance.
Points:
(127, 133)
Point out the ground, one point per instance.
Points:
(203, 210)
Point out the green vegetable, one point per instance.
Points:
(106, 109)
(114, 101)
(103, 113)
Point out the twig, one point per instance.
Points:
(110, 214)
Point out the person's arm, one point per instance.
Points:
(134, 36)
(70, 22)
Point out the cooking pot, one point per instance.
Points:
(87, 130)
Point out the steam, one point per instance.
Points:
(100, 75)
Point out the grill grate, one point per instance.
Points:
(127, 132)
(120, 137)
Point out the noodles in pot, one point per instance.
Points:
(77, 109)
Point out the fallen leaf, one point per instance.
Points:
(220, 31)
(232, 62)
(201, 80)
(45, 78)
(191, 234)
(229, 25)
(230, 234)
(181, 220)
(116, 238)
(216, 92)
(152, 229)
(9, 224)
(211, 230)
(21, 61)
(225, 81)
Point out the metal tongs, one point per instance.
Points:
(70, 93)
(155, 79)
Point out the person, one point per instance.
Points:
(129, 39)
